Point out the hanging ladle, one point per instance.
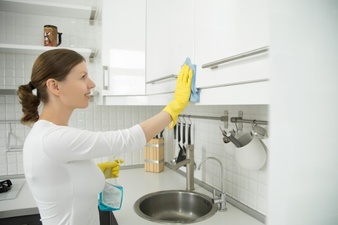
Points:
(229, 137)
(225, 137)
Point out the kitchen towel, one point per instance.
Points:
(195, 95)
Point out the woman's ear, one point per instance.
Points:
(52, 86)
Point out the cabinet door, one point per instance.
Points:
(123, 47)
(227, 28)
(107, 218)
(169, 41)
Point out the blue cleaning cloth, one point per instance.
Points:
(195, 95)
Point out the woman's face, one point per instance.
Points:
(75, 89)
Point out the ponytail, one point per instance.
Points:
(29, 102)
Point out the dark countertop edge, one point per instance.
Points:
(17, 176)
(19, 212)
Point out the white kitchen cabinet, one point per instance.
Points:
(166, 40)
(224, 29)
(256, 93)
(123, 47)
(169, 38)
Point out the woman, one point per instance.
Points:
(63, 179)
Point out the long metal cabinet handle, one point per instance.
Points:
(214, 64)
(105, 78)
(162, 78)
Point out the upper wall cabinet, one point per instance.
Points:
(169, 38)
(231, 39)
(123, 47)
(165, 32)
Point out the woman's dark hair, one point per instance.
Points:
(53, 64)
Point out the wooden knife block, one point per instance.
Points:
(154, 155)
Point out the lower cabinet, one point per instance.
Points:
(107, 218)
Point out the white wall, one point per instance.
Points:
(303, 184)
(249, 187)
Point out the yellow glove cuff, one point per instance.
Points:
(174, 109)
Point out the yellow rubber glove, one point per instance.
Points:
(181, 95)
(111, 169)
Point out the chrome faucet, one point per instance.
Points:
(189, 163)
(222, 198)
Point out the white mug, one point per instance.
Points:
(252, 155)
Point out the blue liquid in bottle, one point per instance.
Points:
(110, 199)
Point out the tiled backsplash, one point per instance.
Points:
(249, 187)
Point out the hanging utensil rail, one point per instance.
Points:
(241, 120)
(223, 118)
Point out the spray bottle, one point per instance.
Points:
(110, 199)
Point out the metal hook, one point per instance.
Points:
(190, 122)
(184, 120)
(236, 127)
(254, 123)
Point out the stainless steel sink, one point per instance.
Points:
(175, 206)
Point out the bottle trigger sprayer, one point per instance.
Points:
(110, 199)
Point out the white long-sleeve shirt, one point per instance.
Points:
(63, 178)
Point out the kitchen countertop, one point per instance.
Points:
(136, 183)
(22, 205)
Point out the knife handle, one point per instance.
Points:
(179, 132)
(189, 134)
(234, 140)
(175, 128)
(183, 136)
